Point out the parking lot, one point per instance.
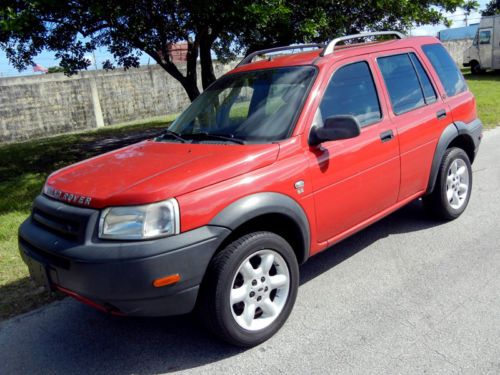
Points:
(406, 295)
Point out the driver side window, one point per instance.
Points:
(484, 36)
(351, 91)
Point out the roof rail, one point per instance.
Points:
(331, 46)
(248, 59)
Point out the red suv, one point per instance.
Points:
(276, 161)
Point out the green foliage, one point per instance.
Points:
(56, 69)
(492, 8)
(72, 29)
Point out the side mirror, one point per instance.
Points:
(335, 128)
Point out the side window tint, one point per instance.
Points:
(401, 82)
(484, 37)
(425, 82)
(352, 91)
(446, 69)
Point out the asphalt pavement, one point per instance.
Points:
(407, 295)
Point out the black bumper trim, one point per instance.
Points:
(121, 274)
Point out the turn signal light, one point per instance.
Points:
(167, 280)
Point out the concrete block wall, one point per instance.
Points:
(456, 49)
(43, 105)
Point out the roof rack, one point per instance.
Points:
(331, 46)
(248, 59)
(326, 50)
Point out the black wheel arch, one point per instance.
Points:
(270, 211)
(457, 134)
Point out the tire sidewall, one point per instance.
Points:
(241, 336)
(451, 156)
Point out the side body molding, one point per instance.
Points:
(255, 205)
(472, 130)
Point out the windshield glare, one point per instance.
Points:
(255, 106)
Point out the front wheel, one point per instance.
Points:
(250, 289)
(453, 186)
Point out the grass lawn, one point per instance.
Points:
(486, 88)
(23, 170)
(25, 166)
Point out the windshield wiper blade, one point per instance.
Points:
(173, 134)
(223, 137)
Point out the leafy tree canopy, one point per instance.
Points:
(492, 8)
(128, 28)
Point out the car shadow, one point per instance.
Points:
(409, 218)
(68, 337)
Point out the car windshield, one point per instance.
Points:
(255, 106)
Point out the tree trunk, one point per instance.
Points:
(207, 67)
(189, 81)
(191, 89)
(191, 84)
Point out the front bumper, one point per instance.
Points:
(116, 275)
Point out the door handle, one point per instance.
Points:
(441, 114)
(386, 136)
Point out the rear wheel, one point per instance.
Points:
(250, 289)
(475, 68)
(453, 186)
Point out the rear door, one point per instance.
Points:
(496, 43)
(418, 114)
(353, 179)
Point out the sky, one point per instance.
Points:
(47, 59)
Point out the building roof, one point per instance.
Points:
(466, 32)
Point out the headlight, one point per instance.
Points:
(140, 222)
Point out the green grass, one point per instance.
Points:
(23, 170)
(486, 89)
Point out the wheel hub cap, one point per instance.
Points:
(457, 183)
(260, 289)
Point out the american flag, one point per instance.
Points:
(39, 68)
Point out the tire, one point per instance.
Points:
(245, 298)
(453, 186)
(475, 68)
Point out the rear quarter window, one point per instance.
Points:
(446, 69)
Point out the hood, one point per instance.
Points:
(153, 171)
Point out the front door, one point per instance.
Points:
(354, 179)
(486, 48)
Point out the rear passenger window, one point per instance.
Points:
(351, 91)
(449, 75)
(402, 83)
(425, 82)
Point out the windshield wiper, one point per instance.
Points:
(173, 134)
(223, 137)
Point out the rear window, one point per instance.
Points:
(446, 69)
(402, 83)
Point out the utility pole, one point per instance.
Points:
(95, 61)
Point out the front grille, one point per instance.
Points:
(65, 227)
(65, 221)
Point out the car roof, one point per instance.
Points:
(341, 52)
